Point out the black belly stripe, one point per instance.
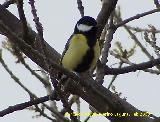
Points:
(86, 61)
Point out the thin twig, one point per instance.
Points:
(36, 20)
(137, 29)
(80, 7)
(15, 51)
(41, 112)
(152, 42)
(42, 80)
(134, 37)
(22, 106)
(132, 68)
(7, 3)
(115, 76)
(14, 77)
(137, 17)
(23, 20)
(90, 115)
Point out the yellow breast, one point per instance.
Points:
(77, 49)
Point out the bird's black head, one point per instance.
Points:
(85, 25)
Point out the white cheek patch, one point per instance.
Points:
(84, 28)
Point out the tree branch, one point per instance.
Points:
(107, 44)
(104, 14)
(92, 92)
(132, 68)
(137, 17)
(22, 106)
(23, 20)
(7, 3)
(80, 7)
(137, 29)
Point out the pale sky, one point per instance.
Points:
(58, 19)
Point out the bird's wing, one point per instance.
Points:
(66, 48)
(63, 53)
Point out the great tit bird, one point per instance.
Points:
(82, 49)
